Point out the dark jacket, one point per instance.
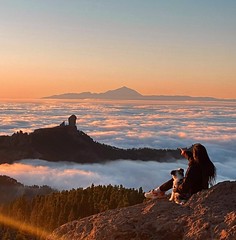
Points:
(194, 180)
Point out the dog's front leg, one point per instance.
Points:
(171, 197)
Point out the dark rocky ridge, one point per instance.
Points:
(66, 143)
(207, 215)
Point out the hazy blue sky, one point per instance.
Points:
(156, 47)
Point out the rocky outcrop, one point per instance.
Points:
(208, 215)
(66, 143)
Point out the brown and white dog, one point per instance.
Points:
(178, 176)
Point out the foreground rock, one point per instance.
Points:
(208, 215)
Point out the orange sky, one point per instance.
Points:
(51, 48)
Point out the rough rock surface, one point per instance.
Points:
(208, 215)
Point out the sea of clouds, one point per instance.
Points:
(122, 124)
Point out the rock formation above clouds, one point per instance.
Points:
(66, 143)
(208, 215)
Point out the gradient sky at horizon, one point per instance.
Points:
(155, 47)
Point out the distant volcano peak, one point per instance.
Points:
(123, 92)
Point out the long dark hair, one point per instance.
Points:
(200, 156)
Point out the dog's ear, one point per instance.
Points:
(181, 170)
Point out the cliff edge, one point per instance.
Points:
(208, 215)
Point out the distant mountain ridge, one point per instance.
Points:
(120, 93)
(125, 93)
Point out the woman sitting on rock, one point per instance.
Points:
(200, 174)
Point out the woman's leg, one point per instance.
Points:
(166, 186)
(160, 191)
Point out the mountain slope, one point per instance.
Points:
(208, 215)
(11, 189)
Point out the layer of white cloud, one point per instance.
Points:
(131, 174)
(126, 125)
